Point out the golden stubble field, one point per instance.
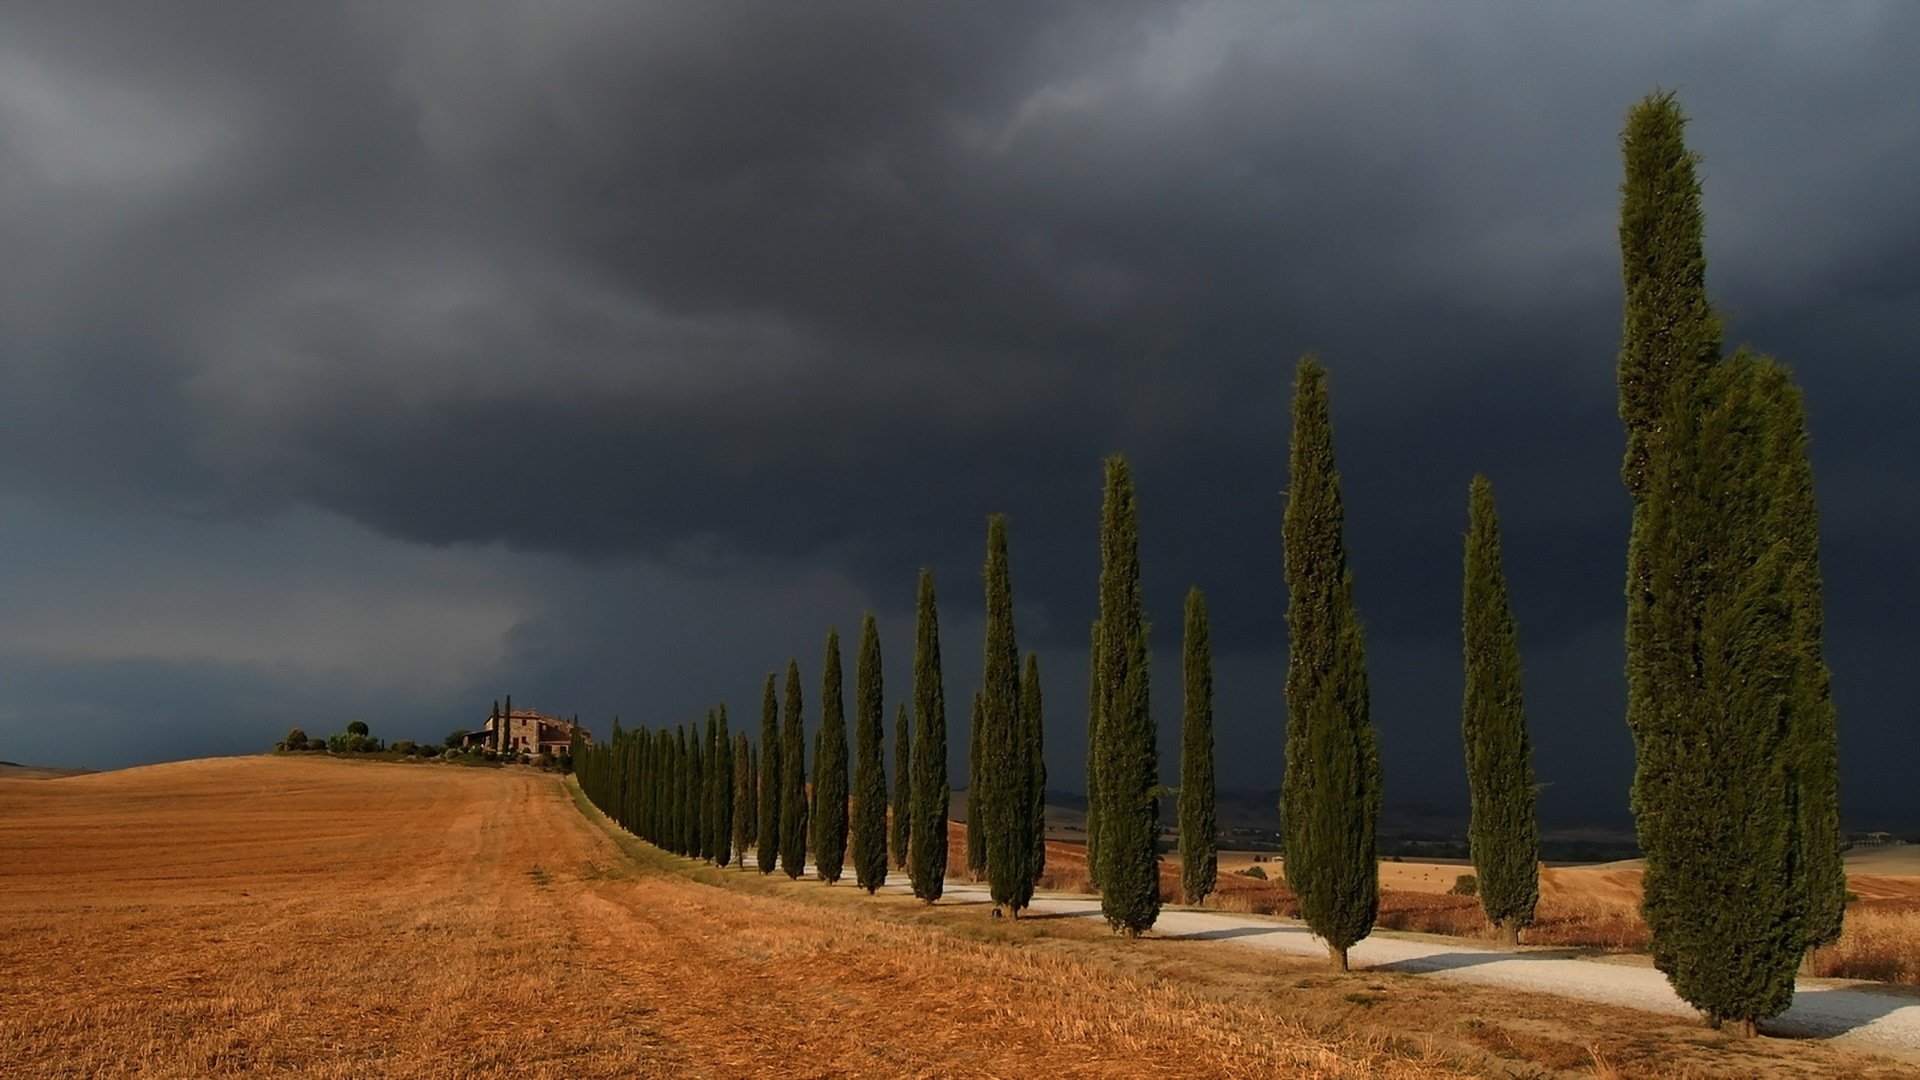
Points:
(324, 918)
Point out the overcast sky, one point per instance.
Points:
(383, 359)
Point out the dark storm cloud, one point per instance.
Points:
(723, 287)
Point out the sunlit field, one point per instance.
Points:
(316, 917)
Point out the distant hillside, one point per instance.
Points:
(13, 770)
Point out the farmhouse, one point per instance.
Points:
(526, 730)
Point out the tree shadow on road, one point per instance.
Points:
(1821, 1012)
(1231, 932)
(1454, 961)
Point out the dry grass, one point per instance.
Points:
(1599, 908)
(1880, 940)
(334, 919)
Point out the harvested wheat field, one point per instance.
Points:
(324, 918)
(328, 918)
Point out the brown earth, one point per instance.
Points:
(325, 918)
(339, 919)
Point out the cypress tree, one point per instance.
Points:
(633, 760)
(902, 788)
(744, 796)
(976, 800)
(1006, 777)
(682, 828)
(869, 763)
(1128, 760)
(772, 783)
(753, 797)
(927, 846)
(660, 789)
(1503, 835)
(1033, 733)
(506, 725)
(1330, 795)
(720, 793)
(1820, 873)
(1720, 891)
(574, 746)
(793, 779)
(1199, 831)
(1670, 339)
(695, 796)
(1729, 698)
(1094, 870)
(830, 772)
(495, 726)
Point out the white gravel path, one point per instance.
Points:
(1883, 1020)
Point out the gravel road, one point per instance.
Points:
(1886, 1020)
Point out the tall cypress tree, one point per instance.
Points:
(1728, 693)
(1006, 775)
(793, 779)
(830, 772)
(772, 784)
(1094, 868)
(1033, 733)
(928, 845)
(1128, 759)
(1199, 831)
(1330, 795)
(902, 788)
(751, 754)
(1720, 890)
(1670, 339)
(869, 829)
(743, 795)
(1503, 834)
(976, 832)
(696, 796)
(682, 828)
(721, 792)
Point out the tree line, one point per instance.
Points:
(1735, 793)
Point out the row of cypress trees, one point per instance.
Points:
(772, 807)
(657, 784)
(1736, 787)
(677, 789)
